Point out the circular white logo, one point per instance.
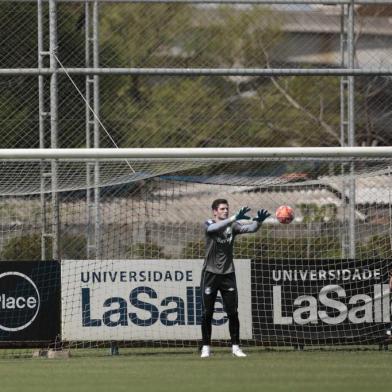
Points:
(19, 301)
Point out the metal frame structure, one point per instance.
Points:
(88, 154)
(92, 135)
(200, 71)
(92, 71)
(335, 2)
(46, 174)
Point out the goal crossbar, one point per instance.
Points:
(195, 153)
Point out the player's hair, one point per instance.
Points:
(216, 202)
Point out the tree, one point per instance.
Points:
(168, 111)
(28, 247)
(19, 117)
(142, 250)
(175, 111)
(213, 111)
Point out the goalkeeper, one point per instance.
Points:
(218, 270)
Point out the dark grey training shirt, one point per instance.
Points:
(220, 241)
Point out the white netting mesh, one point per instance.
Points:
(131, 258)
(24, 177)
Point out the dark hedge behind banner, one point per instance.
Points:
(29, 301)
(320, 302)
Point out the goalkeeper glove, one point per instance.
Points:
(262, 215)
(241, 214)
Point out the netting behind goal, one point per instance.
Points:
(131, 248)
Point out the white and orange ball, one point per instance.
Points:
(284, 214)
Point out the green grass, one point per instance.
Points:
(168, 370)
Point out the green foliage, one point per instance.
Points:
(186, 112)
(210, 111)
(142, 250)
(194, 250)
(246, 246)
(228, 37)
(171, 111)
(322, 247)
(28, 247)
(143, 33)
(310, 106)
(250, 246)
(73, 247)
(316, 213)
(19, 95)
(181, 114)
(376, 247)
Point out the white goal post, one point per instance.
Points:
(239, 152)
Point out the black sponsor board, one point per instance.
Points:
(29, 301)
(320, 302)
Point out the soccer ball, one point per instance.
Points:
(284, 214)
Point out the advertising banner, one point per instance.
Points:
(29, 301)
(143, 300)
(320, 301)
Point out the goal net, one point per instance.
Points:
(130, 246)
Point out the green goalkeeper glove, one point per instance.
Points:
(241, 214)
(262, 215)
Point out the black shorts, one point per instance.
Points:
(211, 282)
(227, 286)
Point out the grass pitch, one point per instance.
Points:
(183, 370)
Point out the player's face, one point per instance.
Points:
(222, 212)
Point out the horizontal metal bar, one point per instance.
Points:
(200, 71)
(195, 153)
(325, 2)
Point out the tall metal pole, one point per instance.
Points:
(343, 119)
(41, 125)
(54, 125)
(96, 131)
(347, 127)
(351, 127)
(343, 79)
(92, 130)
(89, 80)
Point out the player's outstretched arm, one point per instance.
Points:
(220, 225)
